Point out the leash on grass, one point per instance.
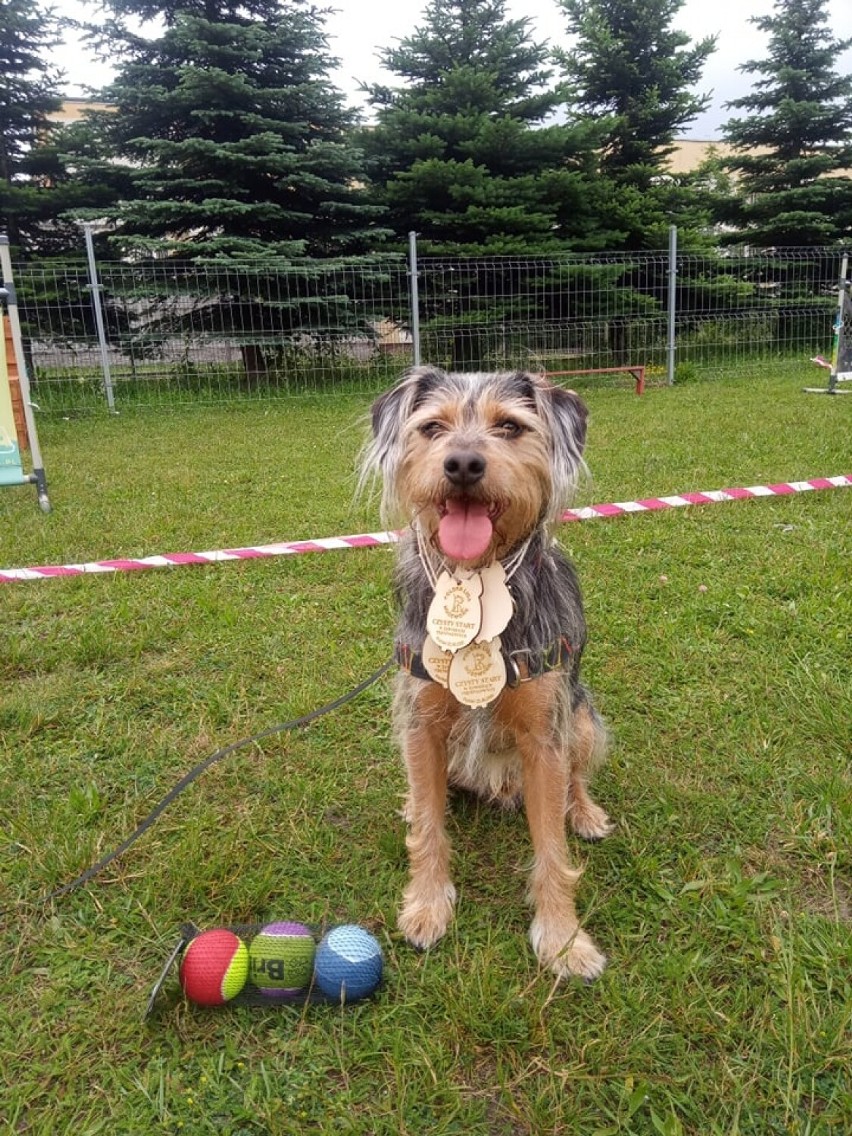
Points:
(203, 766)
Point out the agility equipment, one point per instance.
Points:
(839, 367)
(17, 423)
(377, 539)
(637, 371)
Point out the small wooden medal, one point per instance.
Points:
(497, 604)
(455, 614)
(478, 673)
(436, 662)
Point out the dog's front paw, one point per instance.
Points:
(567, 951)
(426, 914)
(589, 820)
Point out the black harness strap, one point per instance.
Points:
(521, 666)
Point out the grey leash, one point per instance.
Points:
(202, 767)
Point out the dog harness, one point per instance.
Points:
(521, 666)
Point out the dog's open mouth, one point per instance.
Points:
(466, 527)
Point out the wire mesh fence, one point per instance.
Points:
(730, 311)
(182, 332)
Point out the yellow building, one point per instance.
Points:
(688, 154)
(72, 110)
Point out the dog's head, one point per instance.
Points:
(479, 460)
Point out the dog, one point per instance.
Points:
(491, 633)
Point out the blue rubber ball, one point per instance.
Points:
(348, 963)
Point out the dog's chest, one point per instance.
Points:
(482, 757)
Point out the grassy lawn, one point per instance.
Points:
(720, 655)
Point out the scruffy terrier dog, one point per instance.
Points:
(489, 697)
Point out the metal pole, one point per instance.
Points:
(8, 286)
(838, 332)
(671, 347)
(415, 298)
(837, 344)
(96, 289)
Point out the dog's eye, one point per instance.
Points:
(509, 428)
(431, 429)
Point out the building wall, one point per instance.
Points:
(688, 155)
(72, 110)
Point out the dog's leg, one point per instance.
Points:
(586, 750)
(430, 896)
(556, 936)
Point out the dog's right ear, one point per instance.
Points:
(385, 409)
(394, 406)
(389, 413)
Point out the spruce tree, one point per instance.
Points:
(239, 153)
(29, 92)
(793, 145)
(238, 138)
(462, 151)
(632, 69)
(465, 152)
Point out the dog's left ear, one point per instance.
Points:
(566, 415)
(572, 413)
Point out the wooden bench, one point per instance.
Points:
(638, 374)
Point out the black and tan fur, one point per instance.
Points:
(518, 441)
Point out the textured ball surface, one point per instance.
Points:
(214, 967)
(281, 959)
(348, 963)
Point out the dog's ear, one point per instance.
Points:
(393, 407)
(389, 414)
(565, 409)
(386, 409)
(572, 413)
(567, 416)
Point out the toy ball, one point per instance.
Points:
(281, 959)
(214, 967)
(348, 963)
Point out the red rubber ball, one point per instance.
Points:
(214, 967)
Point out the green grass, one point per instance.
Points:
(723, 899)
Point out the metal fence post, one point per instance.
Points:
(415, 296)
(671, 345)
(95, 288)
(842, 300)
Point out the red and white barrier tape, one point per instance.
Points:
(372, 540)
(710, 497)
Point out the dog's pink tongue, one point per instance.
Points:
(465, 530)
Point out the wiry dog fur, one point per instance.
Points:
(539, 741)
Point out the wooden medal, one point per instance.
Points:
(478, 673)
(455, 614)
(497, 604)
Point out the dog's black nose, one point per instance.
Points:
(464, 468)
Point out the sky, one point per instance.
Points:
(359, 29)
